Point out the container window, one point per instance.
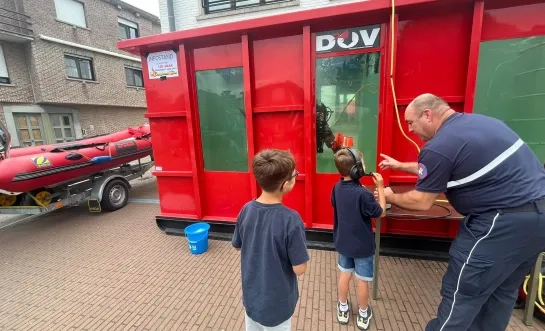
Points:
(222, 119)
(347, 93)
(511, 87)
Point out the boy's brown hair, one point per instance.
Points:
(344, 161)
(272, 167)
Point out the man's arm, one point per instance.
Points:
(391, 163)
(410, 167)
(413, 200)
(433, 171)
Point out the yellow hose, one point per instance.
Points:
(392, 40)
(541, 304)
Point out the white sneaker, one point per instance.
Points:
(343, 316)
(364, 322)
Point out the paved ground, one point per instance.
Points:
(73, 270)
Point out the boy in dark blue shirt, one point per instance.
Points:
(354, 206)
(272, 241)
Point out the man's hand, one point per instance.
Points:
(389, 163)
(388, 193)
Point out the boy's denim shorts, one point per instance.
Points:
(363, 266)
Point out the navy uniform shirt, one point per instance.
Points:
(353, 208)
(272, 241)
(480, 164)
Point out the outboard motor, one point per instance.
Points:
(5, 142)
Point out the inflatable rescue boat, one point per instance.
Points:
(30, 168)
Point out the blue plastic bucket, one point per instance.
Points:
(197, 237)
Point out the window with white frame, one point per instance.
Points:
(133, 77)
(71, 11)
(127, 29)
(79, 67)
(4, 75)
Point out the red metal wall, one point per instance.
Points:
(437, 49)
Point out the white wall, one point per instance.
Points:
(163, 15)
(189, 13)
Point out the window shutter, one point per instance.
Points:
(128, 23)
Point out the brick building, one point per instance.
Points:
(186, 14)
(62, 76)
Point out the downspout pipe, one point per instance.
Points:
(171, 19)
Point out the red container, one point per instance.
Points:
(261, 83)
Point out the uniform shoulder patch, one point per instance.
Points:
(422, 171)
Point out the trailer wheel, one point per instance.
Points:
(7, 200)
(115, 195)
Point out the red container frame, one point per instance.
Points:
(436, 50)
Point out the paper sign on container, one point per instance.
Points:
(162, 64)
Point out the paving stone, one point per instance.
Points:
(73, 270)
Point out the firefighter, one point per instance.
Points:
(491, 177)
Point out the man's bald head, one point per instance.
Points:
(428, 101)
(424, 115)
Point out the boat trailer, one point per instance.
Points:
(104, 191)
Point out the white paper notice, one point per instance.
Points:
(162, 64)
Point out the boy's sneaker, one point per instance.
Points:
(364, 322)
(342, 316)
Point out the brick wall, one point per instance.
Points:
(47, 57)
(33, 70)
(108, 89)
(188, 13)
(109, 119)
(16, 61)
(2, 117)
(37, 69)
(102, 29)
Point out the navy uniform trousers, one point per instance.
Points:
(489, 259)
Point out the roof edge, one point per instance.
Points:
(133, 45)
(140, 11)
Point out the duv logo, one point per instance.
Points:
(347, 39)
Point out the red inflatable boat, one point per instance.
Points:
(27, 169)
